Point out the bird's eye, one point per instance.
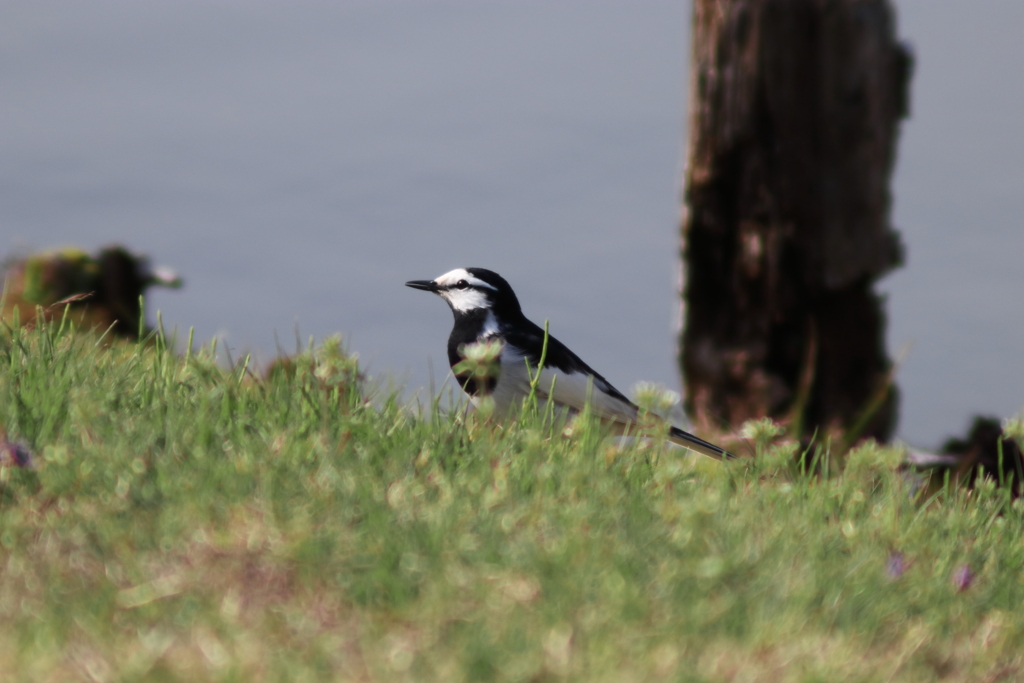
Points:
(461, 284)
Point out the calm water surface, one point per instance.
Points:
(297, 162)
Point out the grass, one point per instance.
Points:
(184, 522)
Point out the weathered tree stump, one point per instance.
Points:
(794, 113)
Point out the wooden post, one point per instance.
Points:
(794, 112)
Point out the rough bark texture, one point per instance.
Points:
(794, 113)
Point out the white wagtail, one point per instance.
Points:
(486, 309)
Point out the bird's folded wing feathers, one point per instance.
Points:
(569, 389)
(678, 436)
(574, 389)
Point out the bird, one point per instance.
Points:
(486, 310)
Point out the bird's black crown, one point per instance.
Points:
(503, 300)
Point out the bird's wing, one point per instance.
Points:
(678, 436)
(574, 389)
(574, 380)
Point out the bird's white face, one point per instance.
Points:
(463, 291)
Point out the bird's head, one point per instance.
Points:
(473, 289)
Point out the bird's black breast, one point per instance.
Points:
(468, 329)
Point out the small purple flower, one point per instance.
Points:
(962, 577)
(14, 453)
(896, 565)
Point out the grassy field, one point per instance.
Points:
(183, 522)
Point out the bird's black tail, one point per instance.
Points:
(678, 436)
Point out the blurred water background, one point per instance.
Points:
(297, 162)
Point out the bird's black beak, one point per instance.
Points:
(425, 285)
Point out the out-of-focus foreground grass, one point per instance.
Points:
(188, 523)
